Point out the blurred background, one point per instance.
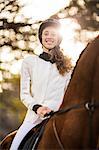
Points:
(19, 23)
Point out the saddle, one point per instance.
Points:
(33, 137)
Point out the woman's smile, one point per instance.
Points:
(49, 41)
(50, 38)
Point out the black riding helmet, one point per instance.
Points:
(46, 23)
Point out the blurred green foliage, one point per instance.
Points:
(12, 111)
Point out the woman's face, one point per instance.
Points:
(50, 38)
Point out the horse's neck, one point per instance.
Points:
(81, 84)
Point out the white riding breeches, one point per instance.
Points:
(22, 131)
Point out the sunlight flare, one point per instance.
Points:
(70, 46)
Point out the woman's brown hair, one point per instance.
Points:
(63, 63)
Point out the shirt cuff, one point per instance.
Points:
(35, 107)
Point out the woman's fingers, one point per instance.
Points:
(43, 110)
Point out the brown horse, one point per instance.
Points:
(77, 127)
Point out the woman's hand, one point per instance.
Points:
(41, 111)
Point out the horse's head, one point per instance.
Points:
(81, 85)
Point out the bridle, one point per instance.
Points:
(90, 106)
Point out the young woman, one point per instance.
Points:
(44, 79)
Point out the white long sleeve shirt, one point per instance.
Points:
(42, 84)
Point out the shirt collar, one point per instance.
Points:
(47, 57)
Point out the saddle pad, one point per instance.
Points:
(32, 138)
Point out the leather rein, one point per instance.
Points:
(90, 106)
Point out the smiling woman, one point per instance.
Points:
(44, 79)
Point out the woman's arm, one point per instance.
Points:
(25, 80)
(25, 94)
